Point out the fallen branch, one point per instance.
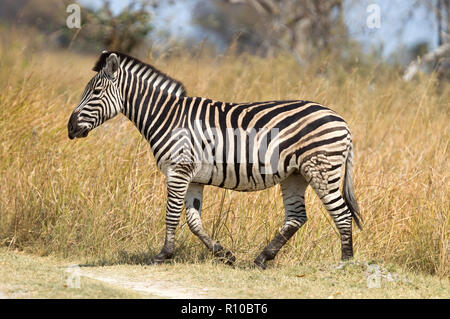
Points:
(438, 53)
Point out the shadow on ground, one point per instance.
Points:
(181, 255)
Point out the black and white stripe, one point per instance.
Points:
(240, 146)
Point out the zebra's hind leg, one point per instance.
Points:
(193, 204)
(293, 191)
(342, 217)
(325, 183)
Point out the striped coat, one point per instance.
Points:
(240, 146)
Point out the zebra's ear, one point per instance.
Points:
(112, 65)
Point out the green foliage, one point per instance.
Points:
(124, 31)
(100, 28)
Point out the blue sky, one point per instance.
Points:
(399, 25)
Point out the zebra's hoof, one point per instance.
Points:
(260, 262)
(229, 258)
(155, 261)
(226, 257)
(159, 259)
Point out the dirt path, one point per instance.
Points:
(3, 295)
(146, 283)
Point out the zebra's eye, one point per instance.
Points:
(97, 91)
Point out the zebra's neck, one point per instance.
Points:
(147, 93)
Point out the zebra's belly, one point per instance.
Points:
(238, 177)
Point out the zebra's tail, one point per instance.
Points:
(349, 192)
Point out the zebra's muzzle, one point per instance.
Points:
(81, 133)
(74, 130)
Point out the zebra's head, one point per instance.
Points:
(101, 99)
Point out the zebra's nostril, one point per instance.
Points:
(72, 125)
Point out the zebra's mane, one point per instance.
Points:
(101, 62)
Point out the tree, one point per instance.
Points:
(440, 56)
(100, 28)
(291, 25)
(124, 31)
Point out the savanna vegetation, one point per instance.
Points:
(102, 200)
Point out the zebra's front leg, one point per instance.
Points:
(193, 202)
(177, 185)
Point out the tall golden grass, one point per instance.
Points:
(102, 198)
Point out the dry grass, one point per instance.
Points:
(102, 199)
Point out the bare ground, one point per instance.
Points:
(27, 276)
(146, 283)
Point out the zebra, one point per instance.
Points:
(306, 143)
